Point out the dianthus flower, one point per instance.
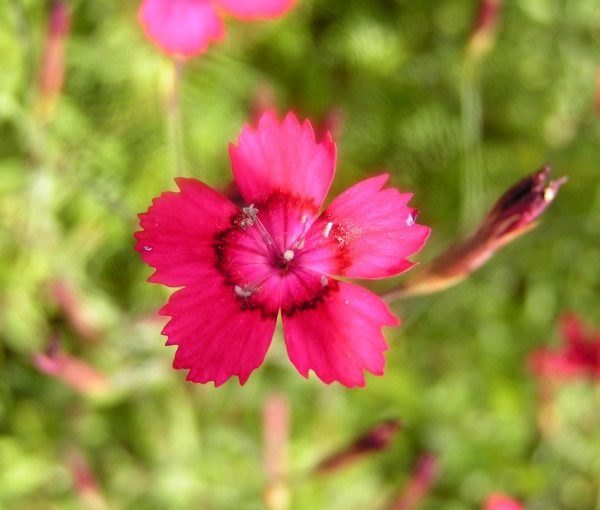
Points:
(579, 356)
(186, 28)
(239, 268)
(499, 501)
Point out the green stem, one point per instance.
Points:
(472, 175)
(25, 41)
(174, 120)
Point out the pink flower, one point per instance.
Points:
(240, 267)
(499, 501)
(579, 355)
(185, 28)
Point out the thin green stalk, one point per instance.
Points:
(174, 120)
(592, 217)
(24, 35)
(472, 126)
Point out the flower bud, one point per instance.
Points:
(378, 438)
(484, 30)
(52, 73)
(513, 215)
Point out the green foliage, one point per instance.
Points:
(455, 135)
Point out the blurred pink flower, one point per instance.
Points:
(74, 372)
(598, 92)
(240, 268)
(499, 501)
(186, 28)
(579, 356)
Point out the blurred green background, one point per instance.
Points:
(455, 132)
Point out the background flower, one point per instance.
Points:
(578, 356)
(499, 501)
(186, 28)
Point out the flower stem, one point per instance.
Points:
(472, 178)
(174, 120)
(25, 41)
(276, 430)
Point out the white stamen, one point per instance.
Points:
(549, 194)
(147, 248)
(250, 211)
(327, 229)
(243, 292)
(251, 219)
(410, 220)
(324, 281)
(304, 220)
(288, 255)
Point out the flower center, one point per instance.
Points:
(249, 220)
(259, 255)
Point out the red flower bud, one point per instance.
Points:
(52, 73)
(485, 27)
(84, 481)
(512, 215)
(420, 483)
(74, 372)
(521, 205)
(378, 438)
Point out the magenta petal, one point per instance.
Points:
(366, 232)
(256, 9)
(282, 157)
(217, 338)
(181, 28)
(499, 501)
(339, 335)
(550, 364)
(178, 230)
